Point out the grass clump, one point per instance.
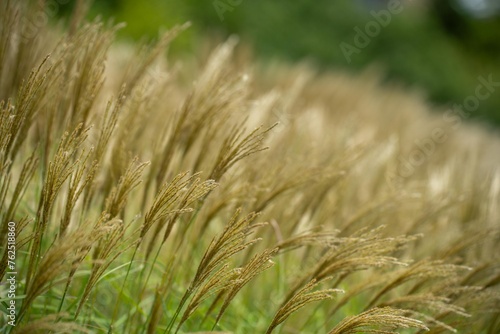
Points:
(274, 203)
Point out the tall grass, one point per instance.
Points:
(151, 197)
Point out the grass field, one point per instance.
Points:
(218, 195)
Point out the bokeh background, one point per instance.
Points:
(438, 47)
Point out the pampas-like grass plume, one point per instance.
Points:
(210, 194)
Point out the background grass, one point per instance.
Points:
(213, 193)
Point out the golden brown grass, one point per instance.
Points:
(186, 199)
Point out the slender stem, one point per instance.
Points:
(150, 271)
(179, 308)
(141, 275)
(66, 288)
(117, 304)
(143, 289)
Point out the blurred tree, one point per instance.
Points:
(437, 45)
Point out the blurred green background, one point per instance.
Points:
(438, 46)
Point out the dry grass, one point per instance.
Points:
(141, 201)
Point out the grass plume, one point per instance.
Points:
(220, 195)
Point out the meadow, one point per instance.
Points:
(216, 194)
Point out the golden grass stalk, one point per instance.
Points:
(257, 264)
(303, 297)
(347, 255)
(51, 323)
(53, 265)
(422, 270)
(130, 179)
(377, 320)
(109, 234)
(230, 242)
(59, 170)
